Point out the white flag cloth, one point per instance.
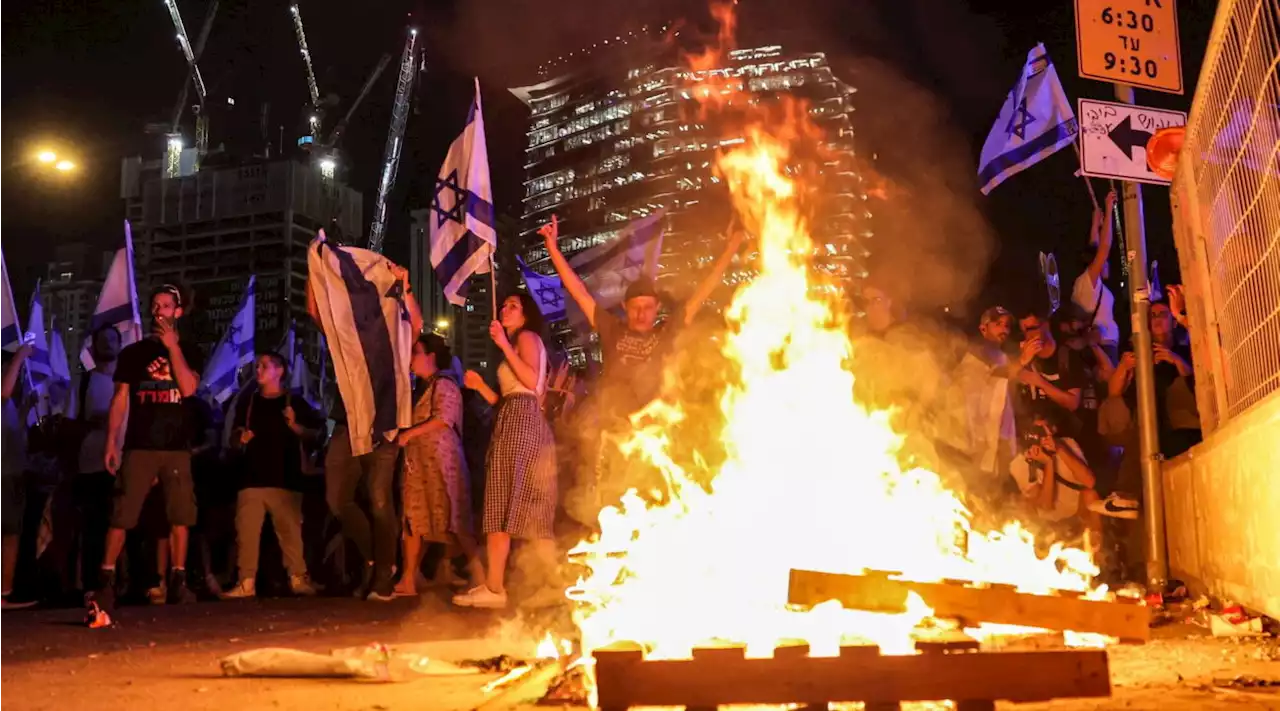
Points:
(118, 302)
(370, 338)
(1035, 122)
(462, 226)
(59, 384)
(221, 377)
(12, 332)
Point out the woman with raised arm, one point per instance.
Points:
(520, 489)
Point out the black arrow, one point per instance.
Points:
(1127, 138)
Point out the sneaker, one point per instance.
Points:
(158, 595)
(481, 596)
(302, 585)
(179, 593)
(1116, 506)
(101, 604)
(244, 589)
(382, 589)
(7, 604)
(366, 582)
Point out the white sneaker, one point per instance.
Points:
(481, 596)
(302, 585)
(1116, 505)
(243, 589)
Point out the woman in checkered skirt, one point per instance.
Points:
(520, 486)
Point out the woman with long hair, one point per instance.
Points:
(436, 487)
(520, 490)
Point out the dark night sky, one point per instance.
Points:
(931, 76)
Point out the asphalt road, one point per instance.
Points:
(167, 657)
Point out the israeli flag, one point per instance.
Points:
(608, 269)
(547, 292)
(370, 338)
(38, 366)
(118, 302)
(462, 233)
(59, 383)
(1035, 122)
(12, 332)
(299, 375)
(221, 377)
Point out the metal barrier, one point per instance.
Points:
(1221, 497)
(1226, 197)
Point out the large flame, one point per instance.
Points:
(811, 478)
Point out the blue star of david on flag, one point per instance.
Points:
(1019, 121)
(453, 213)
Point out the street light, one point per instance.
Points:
(46, 157)
(64, 166)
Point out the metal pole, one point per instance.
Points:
(1148, 436)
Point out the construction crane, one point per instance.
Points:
(174, 143)
(314, 120)
(395, 139)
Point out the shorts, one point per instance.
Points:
(138, 469)
(153, 523)
(12, 500)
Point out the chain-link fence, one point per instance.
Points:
(1227, 212)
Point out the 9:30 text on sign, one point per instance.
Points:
(1129, 42)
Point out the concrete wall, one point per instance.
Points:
(1222, 505)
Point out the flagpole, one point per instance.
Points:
(493, 285)
(1093, 197)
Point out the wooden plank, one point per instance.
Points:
(526, 690)
(995, 604)
(624, 681)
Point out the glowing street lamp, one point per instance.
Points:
(64, 166)
(47, 157)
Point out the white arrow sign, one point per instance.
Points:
(1113, 139)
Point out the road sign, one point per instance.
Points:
(1113, 139)
(1129, 42)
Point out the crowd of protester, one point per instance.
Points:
(1048, 403)
(148, 481)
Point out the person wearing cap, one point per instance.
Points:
(148, 438)
(633, 348)
(995, 326)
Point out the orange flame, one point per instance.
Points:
(810, 478)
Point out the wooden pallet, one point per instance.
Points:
(945, 669)
(876, 592)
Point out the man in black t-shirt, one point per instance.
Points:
(1052, 382)
(149, 438)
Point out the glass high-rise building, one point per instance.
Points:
(622, 134)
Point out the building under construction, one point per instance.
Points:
(618, 135)
(214, 228)
(209, 216)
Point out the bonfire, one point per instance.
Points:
(810, 478)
